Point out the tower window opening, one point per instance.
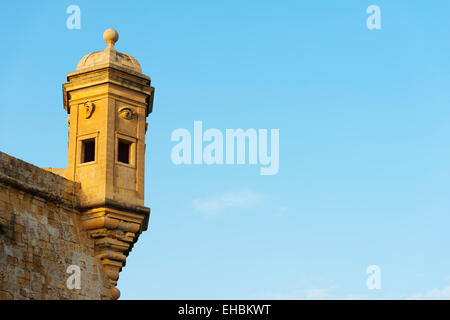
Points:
(88, 151)
(124, 151)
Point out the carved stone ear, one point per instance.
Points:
(126, 113)
(89, 107)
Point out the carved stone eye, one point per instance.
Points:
(126, 113)
(89, 108)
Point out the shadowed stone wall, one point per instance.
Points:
(41, 236)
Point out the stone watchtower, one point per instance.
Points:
(108, 99)
(66, 233)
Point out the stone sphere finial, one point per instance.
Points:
(109, 55)
(110, 36)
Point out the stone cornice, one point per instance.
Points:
(109, 74)
(108, 203)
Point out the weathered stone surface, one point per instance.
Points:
(41, 236)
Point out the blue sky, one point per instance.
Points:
(364, 121)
